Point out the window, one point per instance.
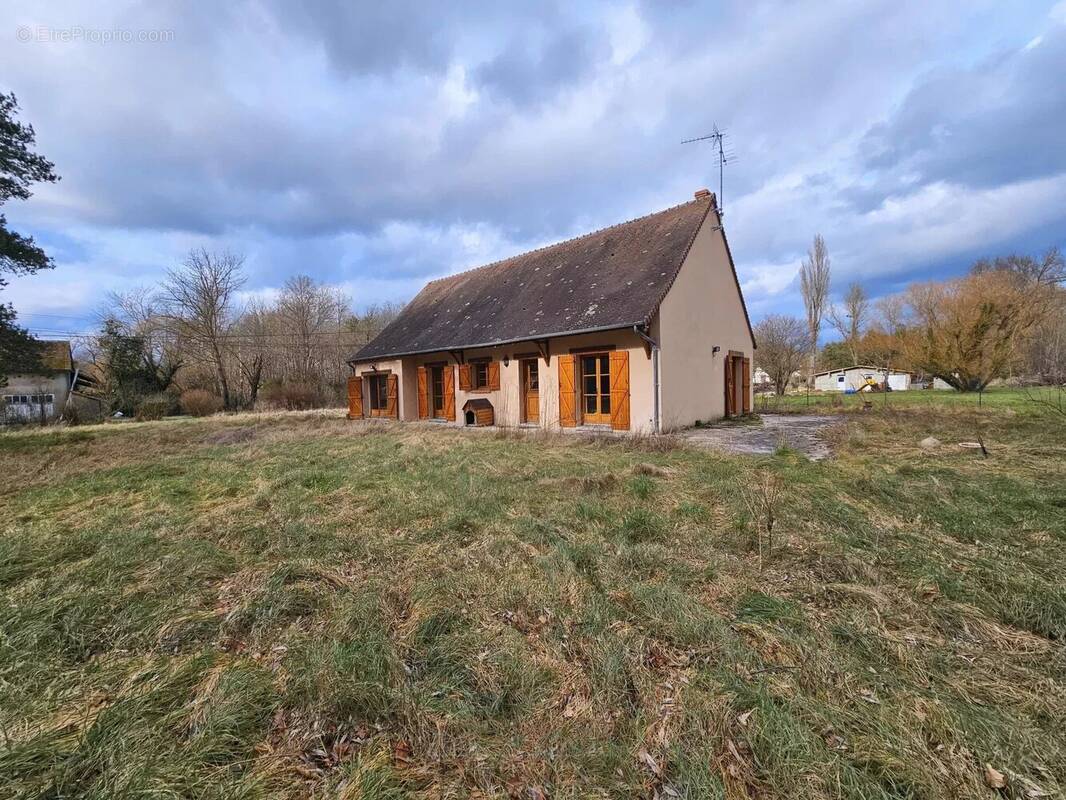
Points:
(596, 388)
(29, 399)
(379, 392)
(479, 375)
(437, 390)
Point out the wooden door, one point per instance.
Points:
(596, 389)
(530, 371)
(436, 392)
(730, 388)
(745, 385)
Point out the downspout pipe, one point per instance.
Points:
(654, 375)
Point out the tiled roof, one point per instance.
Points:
(612, 278)
(55, 356)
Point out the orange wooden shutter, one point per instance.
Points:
(567, 415)
(423, 394)
(620, 390)
(355, 397)
(464, 377)
(392, 397)
(730, 395)
(449, 392)
(494, 376)
(746, 385)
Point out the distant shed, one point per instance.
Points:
(857, 377)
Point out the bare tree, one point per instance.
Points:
(1048, 270)
(850, 318)
(783, 344)
(199, 298)
(372, 320)
(814, 284)
(310, 317)
(893, 312)
(252, 337)
(1044, 281)
(971, 330)
(139, 312)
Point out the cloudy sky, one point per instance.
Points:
(376, 147)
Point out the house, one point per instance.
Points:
(638, 327)
(857, 378)
(44, 395)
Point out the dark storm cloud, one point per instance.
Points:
(373, 143)
(1000, 120)
(528, 72)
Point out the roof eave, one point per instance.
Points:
(357, 359)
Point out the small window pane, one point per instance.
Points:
(605, 404)
(605, 364)
(590, 384)
(590, 404)
(605, 384)
(588, 365)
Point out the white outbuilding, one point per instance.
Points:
(860, 378)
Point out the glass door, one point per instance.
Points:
(596, 389)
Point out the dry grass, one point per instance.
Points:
(293, 605)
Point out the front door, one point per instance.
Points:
(596, 389)
(530, 390)
(436, 392)
(737, 385)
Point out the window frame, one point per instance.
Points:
(378, 392)
(603, 408)
(479, 376)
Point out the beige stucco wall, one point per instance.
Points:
(58, 385)
(702, 309)
(507, 400)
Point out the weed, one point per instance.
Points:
(295, 605)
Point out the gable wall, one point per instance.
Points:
(702, 309)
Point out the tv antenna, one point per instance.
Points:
(717, 140)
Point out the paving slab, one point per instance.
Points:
(803, 432)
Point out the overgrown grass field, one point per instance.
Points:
(1022, 401)
(298, 605)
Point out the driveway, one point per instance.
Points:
(802, 432)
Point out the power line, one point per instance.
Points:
(241, 336)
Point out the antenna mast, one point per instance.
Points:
(717, 140)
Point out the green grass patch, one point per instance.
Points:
(331, 608)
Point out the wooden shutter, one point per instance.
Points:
(730, 396)
(567, 411)
(392, 396)
(464, 377)
(423, 394)
(494, 376)
(449, 392)
(620, 390)
(355, 397)
(746, 385)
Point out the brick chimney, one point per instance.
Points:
(702, 193)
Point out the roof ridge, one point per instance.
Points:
(567, 241)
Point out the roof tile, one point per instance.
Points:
(610, 278)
